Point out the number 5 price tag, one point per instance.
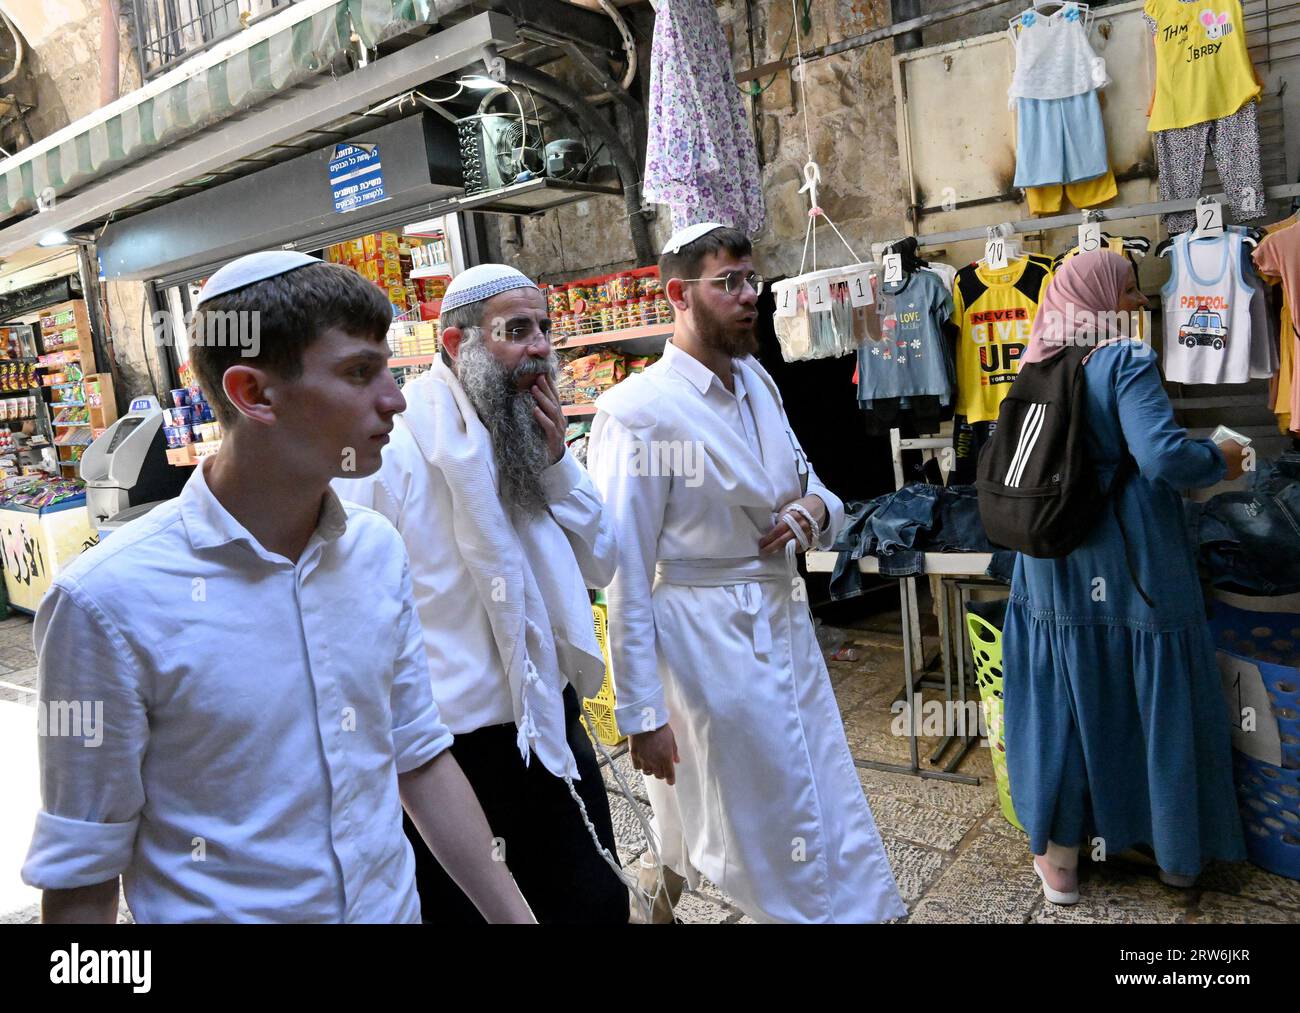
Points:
(995, 253)
(1209, 219)
(787, 301)
(860, 293)
(1090, 237)
(893, 268)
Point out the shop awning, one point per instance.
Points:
(233, 76)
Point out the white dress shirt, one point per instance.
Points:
(256, 713)
(469, 682)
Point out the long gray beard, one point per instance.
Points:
(518, 444)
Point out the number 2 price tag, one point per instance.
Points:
(819, 295)
(1209, 219)
(860, 293)
(893, 268)
(787, 301)
(995, 253)
(1090, 237)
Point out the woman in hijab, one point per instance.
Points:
(1116, 727)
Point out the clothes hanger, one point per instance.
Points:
(1040, 7)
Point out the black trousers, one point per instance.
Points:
(547, 846)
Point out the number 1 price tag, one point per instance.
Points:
(787, 301)
(1255, 730)
(995, 253)
(1090, 237)
(819, 295)
(1209, 219)
(860, 293)
(893, 268)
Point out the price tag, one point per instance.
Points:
(860, 293)
(1250, 715)
(1090, 237)
(1209, 219)
(893, 268)
(787, 301)
(819, 295)
(995, 253)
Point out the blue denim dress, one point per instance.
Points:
(1116, 726)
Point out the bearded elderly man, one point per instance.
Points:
(506, 532)
(720, 681)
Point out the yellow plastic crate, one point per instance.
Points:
(600, 708)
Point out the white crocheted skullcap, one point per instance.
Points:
(688, 235)
(483, 282)
(251, 268)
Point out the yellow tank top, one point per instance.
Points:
(1203, 71)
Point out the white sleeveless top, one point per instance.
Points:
(1053, 56)
(1207, 325)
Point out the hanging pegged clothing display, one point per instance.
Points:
(907, 356)
(1205, 96)
(994, 310)
(1278, 259)
(1207, 311)
(1060, 140)
(700, 155)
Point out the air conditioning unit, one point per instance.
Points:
(493, 152)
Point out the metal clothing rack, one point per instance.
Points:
(1115, 214)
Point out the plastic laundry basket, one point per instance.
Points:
(1263, 634)
(986, 646)
(600, 708)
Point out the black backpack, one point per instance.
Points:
(1038, 488)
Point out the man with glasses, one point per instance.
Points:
(721, 685)
(506, 532)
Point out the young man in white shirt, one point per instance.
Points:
(252, 658)
(506, 533)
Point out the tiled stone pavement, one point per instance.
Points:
(955, 858)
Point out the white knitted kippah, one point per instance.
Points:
(483, 282)
(252, 268)
(683, 237)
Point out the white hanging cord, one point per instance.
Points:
(644, 901)
(812, 172)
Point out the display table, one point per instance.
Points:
(39, 542)
(959, 573)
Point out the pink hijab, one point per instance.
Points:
(1081, 306)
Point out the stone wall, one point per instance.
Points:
(851, 117)
(61, 73)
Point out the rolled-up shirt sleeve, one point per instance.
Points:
(418, 730)
(93, 731)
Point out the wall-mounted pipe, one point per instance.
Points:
(573, 104)
(109, 53)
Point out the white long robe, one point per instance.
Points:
(706, 635)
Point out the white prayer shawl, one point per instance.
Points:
(523, 570)
(767, 802)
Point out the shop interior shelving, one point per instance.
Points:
(67, 348)
(18, 345)
(646, 340)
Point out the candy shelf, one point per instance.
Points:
(664, 331)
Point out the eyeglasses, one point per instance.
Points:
(522, 334)
(734, 281)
